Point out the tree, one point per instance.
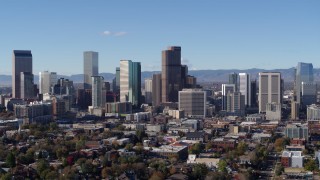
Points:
(280, 143)
(222, 166)
(310, 165)
(200, 171)
(209, 145)
(196, 148)
(140, 135)
(279, 170)
(42, 166)
(241, 148)
(157, 175)
(80, 145)
(11, 160)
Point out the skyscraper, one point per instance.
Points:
(226, 89)
(148, 90)
(254, 93)
(26, 85)
(90, 67)
(21, 62)
(156, 89)
(98, 92)
(270, 89)
(234, 79)
(130, 82)
(245, 88)
(304, 73)
(235, 103)
(116, 82)
(47, 80)
(171, 74)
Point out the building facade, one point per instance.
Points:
(90, 67)
(47, 80)
(270, 89)
(171, 74)
(193, 102)
(21, 62)
(98, 92)
(26, 85)
(156, 89)
(245, 88)
(304, 73)
(130, 82)
(226, 89)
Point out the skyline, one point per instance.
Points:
(212, 35)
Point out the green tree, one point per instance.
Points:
(310, 165)
(42, 166)
(200, 171)
(196, 148)
(140, 135)
(7, 176)
(241, 148)
(279, 170)
(80, 145)
(222, 166)
(11, 160)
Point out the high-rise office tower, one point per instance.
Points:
(304, 73)
(254, 93)
(245, 88)
(235, 103)
(226, 88)
(116, 82)
(171, 74)
(21, 62)
(130, 82)
(26, 85)
(270, 89)
(156, 89)
(193, 102)
(308, 93)
(47, 80)
(234, 79)
(98, 92)
(148, 90)
(90, 67)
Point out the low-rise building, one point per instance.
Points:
(210, 162)
(292, 159)
(224, 143)
(167, 151)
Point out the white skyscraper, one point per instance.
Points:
(98, 92)
(226, 88)
(46, 81)
(245, 88)
(148, 90)
(270, 90)
(90, 67)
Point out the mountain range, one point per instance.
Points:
(202, 75)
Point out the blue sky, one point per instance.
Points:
(213, 34)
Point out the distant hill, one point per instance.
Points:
(202, 75)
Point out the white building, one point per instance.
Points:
(245, 87)
(226, 89)
(46, 81)
(273, 111)
(148, 90)
(313, 112)
(98, 92)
